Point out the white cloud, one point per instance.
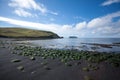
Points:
(103, 21)
(98, 22)
(109, 2)
(100, 26)
(54, 13)
(107, 31)
(81, 25)
(21, 12)
(29, 5)
(48, 27)
(105, 25)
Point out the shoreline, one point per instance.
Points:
(33, 66)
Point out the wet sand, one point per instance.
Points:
(52, 70)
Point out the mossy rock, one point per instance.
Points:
(20, 68)
(14, 52)
(87, 78)
(32, 58)
(44, 63)
(85, 69)
(47, 68)
(68, 64)
(15, 60)
(95, 68)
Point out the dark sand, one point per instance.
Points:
(35, 70)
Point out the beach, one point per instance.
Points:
(50, 69)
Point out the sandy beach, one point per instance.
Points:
(51, 69)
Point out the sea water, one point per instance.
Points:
(79, 44)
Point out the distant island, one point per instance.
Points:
(26, 33)
(73, 37)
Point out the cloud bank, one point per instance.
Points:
(108, 25)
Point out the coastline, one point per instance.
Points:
(51, 69)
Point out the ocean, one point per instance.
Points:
(86, 44)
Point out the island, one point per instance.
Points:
(73, 37)
(26, 33)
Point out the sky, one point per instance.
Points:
(81, 18)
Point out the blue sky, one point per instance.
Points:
(82, 18)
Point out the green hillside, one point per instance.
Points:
(26, 33)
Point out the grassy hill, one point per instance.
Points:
(26, 33)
